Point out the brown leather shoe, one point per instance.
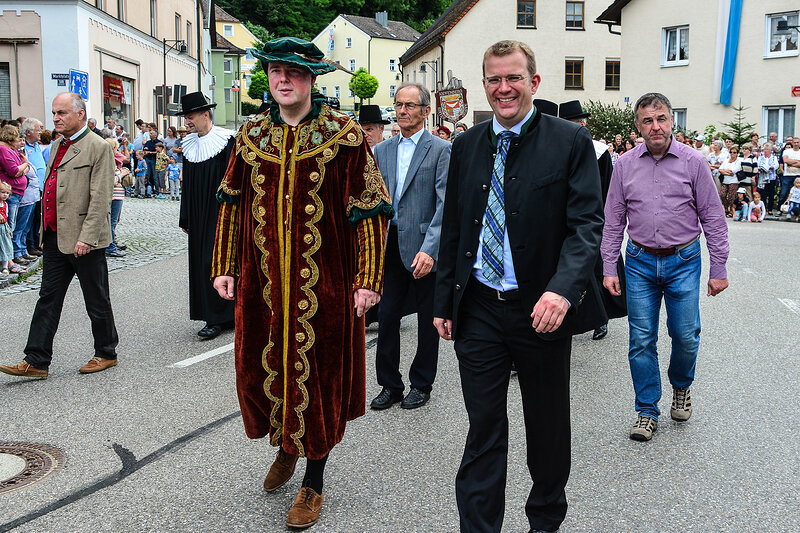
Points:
(305, 511)
(24, 370)
(96, 364)
(281, 471)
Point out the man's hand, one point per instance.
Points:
(81, 248)
(716, 286)
(422, 265)
(224, 286)
(445, 328)
(611, 283)
(364, 300)
(549, 311)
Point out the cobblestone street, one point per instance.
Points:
(148, 227)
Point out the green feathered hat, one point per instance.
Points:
(297, 52)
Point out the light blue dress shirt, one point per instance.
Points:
(509, 281)
(405, 152)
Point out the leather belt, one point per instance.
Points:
(665, 251)
(494, 294)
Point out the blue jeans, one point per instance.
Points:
(677, 278)
(116, 208)
(23, 224)
(786, 184)
(12, 206)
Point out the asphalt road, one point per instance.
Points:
(150, 447)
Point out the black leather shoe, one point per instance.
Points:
(385, 399)
(210, 332)
(600, 332)
(415, 398)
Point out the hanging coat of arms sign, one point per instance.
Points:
(452, 104)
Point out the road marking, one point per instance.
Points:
(749, 271)
(203, 356)
(792, 305)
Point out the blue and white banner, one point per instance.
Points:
(728, 22)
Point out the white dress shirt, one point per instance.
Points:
(405, 152)
(509, 281)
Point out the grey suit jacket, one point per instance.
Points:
(420, 204)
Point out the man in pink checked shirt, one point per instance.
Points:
(664, 191)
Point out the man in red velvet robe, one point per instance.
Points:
(299, 245)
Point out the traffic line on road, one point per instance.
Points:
(203, 356)
(792, 305)
(749, 271)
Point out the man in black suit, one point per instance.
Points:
(521, 228)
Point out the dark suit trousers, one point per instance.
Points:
(490, 335)
(58, 270)
(397, 281)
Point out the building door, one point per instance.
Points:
(5, 91)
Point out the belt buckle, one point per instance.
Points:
(499, 295)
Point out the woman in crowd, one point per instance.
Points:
(749, 175)
(715, 158)
(13, 167)
(728, 171)
(27, 205)
(767, 168)
(629, 144)
(618, 146)
(170, 140)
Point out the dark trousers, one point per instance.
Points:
(57, 272)
(490, 335)
(768, 195)
(397, 282)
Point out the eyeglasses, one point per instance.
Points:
(494, 81)
(411, 106)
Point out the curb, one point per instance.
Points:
(31, 269)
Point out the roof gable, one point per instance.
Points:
(223, 16)
(397, 31)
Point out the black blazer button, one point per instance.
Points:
(476, 222)
(515, 212)
(484, 187)
(468, 254)
(458, 287)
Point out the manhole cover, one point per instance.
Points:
(23, 463)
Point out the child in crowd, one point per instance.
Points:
(6, 247)
(741, 205)
(756, 208)
(161, 170)
(174, 176)
(793, 200)
(141, 175)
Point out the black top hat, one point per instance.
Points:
(572, 110)
(546, 106)
(370, 114)
(194, 102)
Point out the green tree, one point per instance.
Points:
(608, 120)
(258, 85)
(363, 84)
(262, 34)
(739, 129)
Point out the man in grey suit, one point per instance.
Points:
(414, 166)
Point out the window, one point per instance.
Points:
(121, 10)
(612, 74)
(781, 43)
(324, 91)
(392, 90)
(227, 65)
(779, 119)
(227, 30)
(153, 25)
(336, 91)
(676, 47)
(573, 69)
(349, 93)
(352, 65)
(349, 42)
(526, 13)
(100, 4)
(178, 27)
(679, 119)
(392, 65)
(228, 95)
(574, 15)
(188, 37)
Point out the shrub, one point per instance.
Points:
(608, 120)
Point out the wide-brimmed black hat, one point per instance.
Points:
(194, 102)
(546, 106)
(572, 110)
(370, 114)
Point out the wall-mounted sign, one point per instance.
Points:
(61, 79)
(796, 90)
(79, 83)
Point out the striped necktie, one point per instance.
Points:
(494, 230)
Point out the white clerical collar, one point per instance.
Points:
(414, 138)
(516, 128)
(78, 134)
(197, 149)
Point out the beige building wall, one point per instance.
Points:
(758, 81)
(24, 65)
(243, 39)
(489, 21)
(384, 50)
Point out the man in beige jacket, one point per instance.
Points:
(75, 232)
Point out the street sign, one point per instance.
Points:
(796, 90)
(79, 83)
(61, 79)
(173, 109)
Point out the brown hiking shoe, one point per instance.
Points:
(24, 370)
(305, 511)
(644, 428)
(681, 405)
(96, 364)
(281, 471)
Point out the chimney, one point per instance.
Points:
(382, 18)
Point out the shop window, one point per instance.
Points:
(573, 69)
(526, 13)
(574, 15)
(612, 74)
(781, 43)
(675, 46)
